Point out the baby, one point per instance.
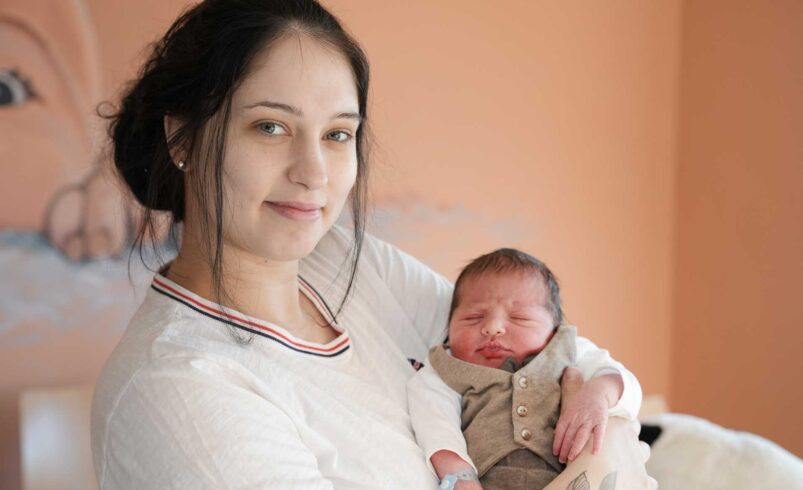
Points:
(499, 380)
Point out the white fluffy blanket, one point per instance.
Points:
(693, 453)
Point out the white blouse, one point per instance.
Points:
(181, 405)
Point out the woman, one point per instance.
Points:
(273, 352)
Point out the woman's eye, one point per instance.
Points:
(271, 128)
(339, 136)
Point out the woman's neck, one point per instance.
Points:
(267, 290)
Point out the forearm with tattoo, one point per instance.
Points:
(581, 482)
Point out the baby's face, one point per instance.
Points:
(500, 316)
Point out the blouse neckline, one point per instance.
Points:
(264, 329)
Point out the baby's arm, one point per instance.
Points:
(594, 362)
(611, 390)
(621, 462)
(435, 415)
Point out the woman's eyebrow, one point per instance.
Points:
(275, 105)
(348, 115)
(297, 112)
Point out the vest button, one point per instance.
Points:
(521, 410)
(526, 434)
(523, 382)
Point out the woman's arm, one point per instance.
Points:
(619, 465)
(423, 294)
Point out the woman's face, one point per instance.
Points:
(291, 156)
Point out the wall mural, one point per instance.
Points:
(65, 291)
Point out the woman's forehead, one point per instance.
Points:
(303, 73)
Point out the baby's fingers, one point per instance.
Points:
(560, 432)
(580, 441)
(568, 441)
(599, 436)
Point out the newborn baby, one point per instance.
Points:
(498, 381)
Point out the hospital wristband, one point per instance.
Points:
(449, 481)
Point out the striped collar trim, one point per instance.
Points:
(256, 326)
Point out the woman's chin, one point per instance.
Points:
(289, 251)
(287, 243)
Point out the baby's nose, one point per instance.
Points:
(494, 326)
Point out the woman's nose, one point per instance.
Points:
(309, 165)
(493, 327)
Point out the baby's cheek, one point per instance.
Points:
(532, 345)
(460, 345)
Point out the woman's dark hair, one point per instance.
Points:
(507, 260)
(191, 76)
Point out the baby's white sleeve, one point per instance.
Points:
(593, 361)
(435, 415)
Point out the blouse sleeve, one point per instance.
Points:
(191, 423)
(423, 294)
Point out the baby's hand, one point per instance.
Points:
(582, 414)
(445, 462)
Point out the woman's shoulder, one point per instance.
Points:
(376, 254)
(339, 241)
(329, 264)
(167, 365)
(162, 339)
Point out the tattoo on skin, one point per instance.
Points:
(609, 482)
(581, 482)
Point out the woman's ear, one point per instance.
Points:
(177, 152)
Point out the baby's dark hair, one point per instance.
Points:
(506, 260)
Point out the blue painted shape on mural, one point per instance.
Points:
(40, 287)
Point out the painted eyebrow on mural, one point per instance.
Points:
(297, 112)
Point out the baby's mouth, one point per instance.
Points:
(493, 350)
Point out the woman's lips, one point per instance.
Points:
(296, 210)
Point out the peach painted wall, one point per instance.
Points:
(547, 126)
(550, 126)
(650, 152)
(738, 335)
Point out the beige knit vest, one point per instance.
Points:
(503, 411)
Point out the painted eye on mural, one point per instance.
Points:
(14, 90)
